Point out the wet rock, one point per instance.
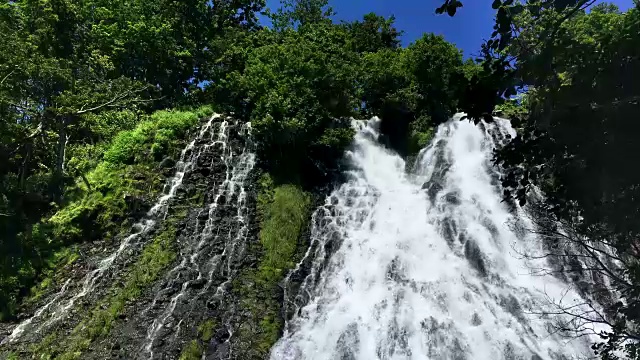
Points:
(449, 230)
(510, 353)
(491, 227)
(433, 188)
(475, 257)
(476, 320)
(138, 206)
(198, 283)
(167, 162)
(452, 198)
(512, 305)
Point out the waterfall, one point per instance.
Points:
(425, 265)
(56, 309)
(208, 254)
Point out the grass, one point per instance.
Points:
(283, 212)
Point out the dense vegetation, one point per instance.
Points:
(79, 81)
(73, 75)
(95, 95)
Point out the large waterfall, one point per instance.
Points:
(426, 265)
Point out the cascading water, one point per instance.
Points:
(66, 298)
(424, 265)
(205, 268)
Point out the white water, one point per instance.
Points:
(66, 298)
(198, 265)
(424, 272)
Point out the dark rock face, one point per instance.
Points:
(220, 225)
(475, 257)
(394, 127)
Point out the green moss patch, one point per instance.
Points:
(193, 351)
(284, 212)
(206, 330)
(195, 348)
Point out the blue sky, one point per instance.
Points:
(467, 29)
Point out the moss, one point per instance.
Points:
(118, 177)
(45, 346)
(129, 171)
(282, 222)
(206, 330)
(283, 212)
(155, 136)
(155, 257)
(193, 351)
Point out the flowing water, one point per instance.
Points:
(425, 265)
(205, 268)
(68, 296)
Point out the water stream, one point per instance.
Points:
(207, 256)
(56, 309)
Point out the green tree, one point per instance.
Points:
(374, 33)
(72, 74)
(301, 91)
(412, 89)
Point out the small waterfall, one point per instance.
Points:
(425, 265)
(66, 298)
(207, 256)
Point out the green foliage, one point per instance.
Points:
(299, 119)
(193, 351)
(72, 76)
(283, 211)
(282, 222)
(105, 200)
(417, 84)
(515, 108)
(576, 141)
(373, 34)
(298, 13)
(420, 134)
(300, 83)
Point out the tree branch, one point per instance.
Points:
(114, 101)
(7, 76)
